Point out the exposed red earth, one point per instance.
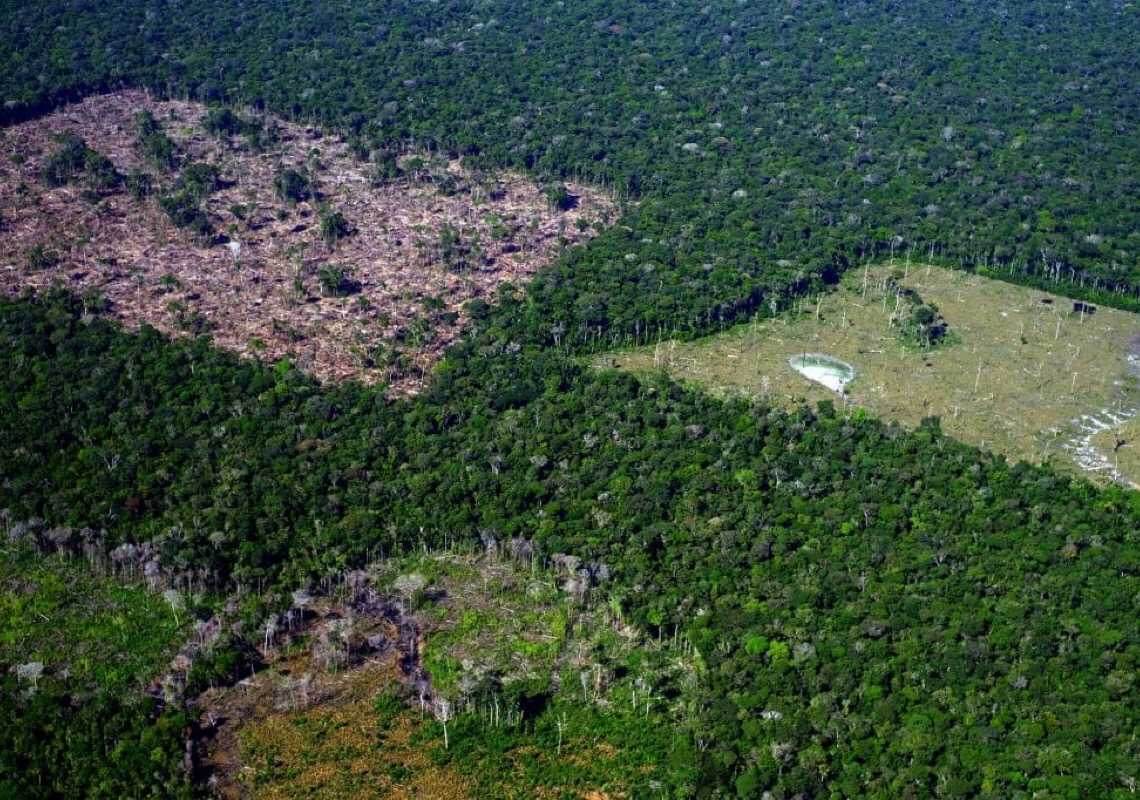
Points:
(418, 246)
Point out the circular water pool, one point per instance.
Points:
(831, 372)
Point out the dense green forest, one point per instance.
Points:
(875, 612)
(768, 145)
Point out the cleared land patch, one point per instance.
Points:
(548, 694)
(1020, 370)
(277, 240)
(85, 626)
(1119, 449)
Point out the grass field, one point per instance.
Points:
(1019, 372)
(87, 632)
(1126, 458)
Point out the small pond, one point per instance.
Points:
(831, 372)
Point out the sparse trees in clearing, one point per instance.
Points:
(18, 160)
(73, 160)
(66, 162)
(157, 146)
(560, 198)
(200, 180)
(917, 321)
(293, 186)
(449, 242)
(95, 302)
(183, 211)
(145, 124)
(140, 185)
(223, 122)
(39, 257)
(337, 281)
(183, 206)
(385, 166)
(417, 167)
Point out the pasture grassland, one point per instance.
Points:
(1121, 448)
(1020, 368)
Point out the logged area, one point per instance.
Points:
(1022, 372)
(528, 677)
(411, 534)
(272, 238)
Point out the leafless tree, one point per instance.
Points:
(301, 598)
(561, 728)
(174, 598)
(30, 672)
(270, 630)
(443, 714)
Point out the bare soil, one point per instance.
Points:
(255, 287)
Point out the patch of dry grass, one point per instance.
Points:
(1019, 374)
(300, 729)
(342, 748)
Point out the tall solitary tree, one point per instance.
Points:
(443, 714)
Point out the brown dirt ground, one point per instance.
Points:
(158, 275)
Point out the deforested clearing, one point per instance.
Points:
(1025, 373)
(277, 240)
